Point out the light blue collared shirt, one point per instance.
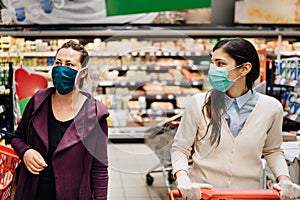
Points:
(238, 110)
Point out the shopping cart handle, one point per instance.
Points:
(232, 194)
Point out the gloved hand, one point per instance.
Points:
(287, 189)
(189, 190)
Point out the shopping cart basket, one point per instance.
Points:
(232, 194)
(159, 139)
(8, 163)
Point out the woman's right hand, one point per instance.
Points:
(34, 161)
(189, 190)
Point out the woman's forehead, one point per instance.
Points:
(220, 54)
(68, 54)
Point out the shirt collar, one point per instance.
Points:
(239, 100)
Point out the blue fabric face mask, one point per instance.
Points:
(63, 79)
(217, 77)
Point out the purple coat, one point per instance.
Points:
(80, 160)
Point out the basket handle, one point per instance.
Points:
(10, 133)
(207, 194)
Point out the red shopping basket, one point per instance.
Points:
(226, 194)
(8, 163)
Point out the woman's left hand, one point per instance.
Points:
(288, 190)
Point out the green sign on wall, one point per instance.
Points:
(123, 7)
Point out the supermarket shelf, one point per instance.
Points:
(287, 83)
(135, 84)
(155, 96)
(152, 52)
(292, 117)
(107, 53)
(160, 68)
(157, 111)
(105, 30)
(28, 54)
(203, 54)
(138, 132)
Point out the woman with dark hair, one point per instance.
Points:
(228, 129)
(63, 136)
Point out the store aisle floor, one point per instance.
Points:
(128, 166)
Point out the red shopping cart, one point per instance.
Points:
(8, 163)
(232, 194)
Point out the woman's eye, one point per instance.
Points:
(70, 65)
(220, 64)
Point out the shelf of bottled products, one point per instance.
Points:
(6, 97)
(287, 79)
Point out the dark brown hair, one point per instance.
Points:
(241, 51)
(77, 47)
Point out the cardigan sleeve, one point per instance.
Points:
(185, 135)
(19, 144)
(272, 149)
(99, 173)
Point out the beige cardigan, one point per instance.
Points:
(236, 162)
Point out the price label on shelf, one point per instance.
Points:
(195, 82)
(181, 53)
(177, 82)
(123, 83)
(2, 88)
(14, 54)
(2, 108)
(293, 117)
(198, 53)
(159, 96)
(134, 53)
(4, 54)
(165, 53)
(132, 83)
(164, 82)
(143, 67)
(177, 111)
(133, 67)
(170, 96)
(157, 67)
(173, 53)
(124, 67)
(158, 53)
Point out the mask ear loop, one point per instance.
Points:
(78, 79)
(238, 66)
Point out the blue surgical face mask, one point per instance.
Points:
(217, 77)
(63, 79)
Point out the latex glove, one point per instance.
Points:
(287, 189)
(189, 190)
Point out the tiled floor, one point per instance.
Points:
(128, 166)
